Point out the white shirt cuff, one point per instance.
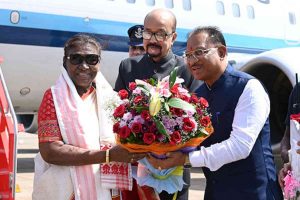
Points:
(196, 159)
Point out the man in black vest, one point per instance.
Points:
(158, 37)
(237, 158)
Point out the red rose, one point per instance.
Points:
(123, 94)
(145, 129)
(116, 127)
(205, 121)
(148, 138)
(199, 111)
(174, 89)
(137, 99)
(136, 127)
(145, 115)
(184, 98)
(119, 111)
(194, 99)
(176, 111)
(132, 86)
(203, 102)
(188, 125)
(175, 138)
(124, 132)
(152, 128)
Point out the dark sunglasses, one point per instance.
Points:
(90, 59)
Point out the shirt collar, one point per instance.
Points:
(222, 78)
(162, 61)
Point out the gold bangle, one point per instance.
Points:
(107, 156)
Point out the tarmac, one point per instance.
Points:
(28, 148)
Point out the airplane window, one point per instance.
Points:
(236, 10)
(150, 2)
(220, 8)
(131, 1)
(169, 3)
(14, 17)
(187, 4)
(264, 1)
(250, 12)
(292, 18)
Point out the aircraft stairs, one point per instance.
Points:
(8, 143)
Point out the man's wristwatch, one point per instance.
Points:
(187, 163)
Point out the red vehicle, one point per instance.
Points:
(8, 143)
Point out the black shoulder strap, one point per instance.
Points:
(296, 103)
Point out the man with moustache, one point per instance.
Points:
(158, 37)
(237, 158)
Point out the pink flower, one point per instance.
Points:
(290, 185)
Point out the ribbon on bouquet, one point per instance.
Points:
(169, 180)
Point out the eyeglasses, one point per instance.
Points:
(196, 54)
(90, 59)
(159, 36)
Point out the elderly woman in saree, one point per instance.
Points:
(78, 159)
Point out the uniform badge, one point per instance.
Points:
(138, 33)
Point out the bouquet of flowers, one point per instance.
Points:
(160, 116)
(292, 179)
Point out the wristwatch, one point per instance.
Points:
(187, 163)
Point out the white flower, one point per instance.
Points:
(110, 100)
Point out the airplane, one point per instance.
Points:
(263, 39)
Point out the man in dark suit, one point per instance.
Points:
(158, 37)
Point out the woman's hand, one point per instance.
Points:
(120, 154)
(173, 159)
(282, 173)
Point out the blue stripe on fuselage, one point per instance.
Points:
(54, 38)
(53, 30)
